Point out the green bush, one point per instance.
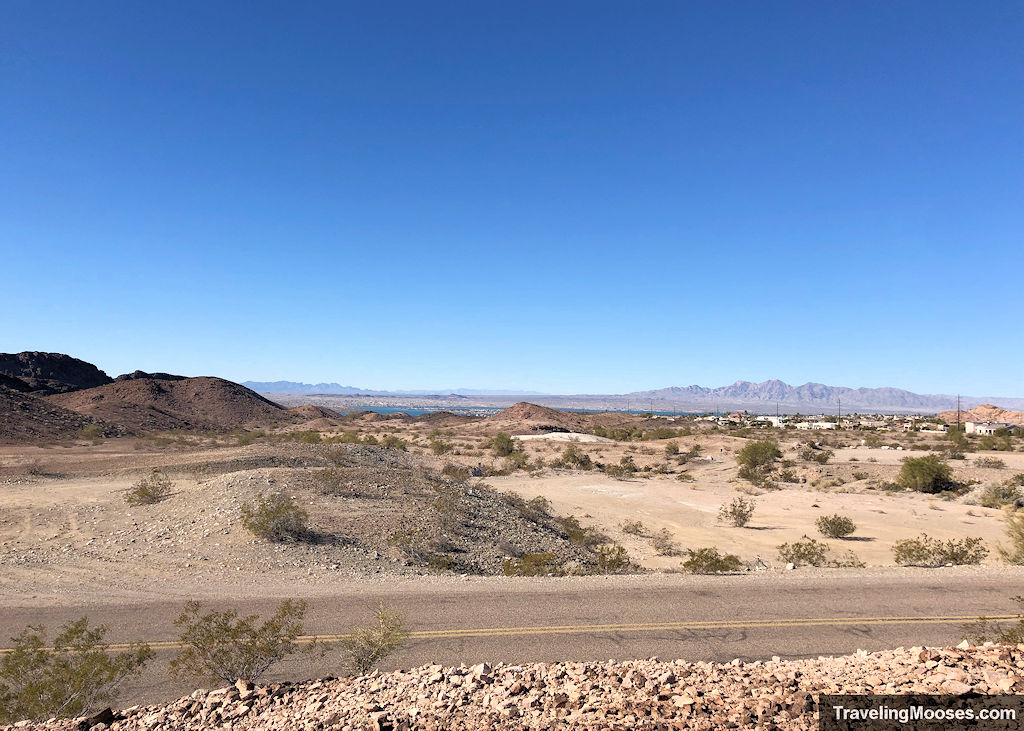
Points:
(503, 445)
(928, 474)
(625, 468)
(275, 518)
(149, 490)
(439, 446)
(806, 551)
(572, 456)
(366, 646)
(671, 449)
(738, 512)
(533, 564)
(760, 453)
(835, 526)
(221, 646)
(78, 675)
(392, 441)
(996, 496)
(455, 472)
(710, 561)
(821, 456)
(931, 552)
(577, 533)
(91, 433)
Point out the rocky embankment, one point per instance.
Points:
(642, 694)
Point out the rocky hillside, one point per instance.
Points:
(26, 418)
(149, 404)
(642, 694)
(47, 373)
(985, 412)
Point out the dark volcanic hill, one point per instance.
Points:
(49, 373)
(153, 404)
(27, 418)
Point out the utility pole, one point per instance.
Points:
(840, 424)
(958, 413)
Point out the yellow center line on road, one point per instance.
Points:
(571, 629)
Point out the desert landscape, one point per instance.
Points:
(412, 508)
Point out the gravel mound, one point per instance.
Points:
(643, 694)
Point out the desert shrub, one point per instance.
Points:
(149, 490)
(221, 646)
(757, 454)
(439, 446)
(806, 551)
(710, 561)
(535, 509)
(985, 630)
(996, 496)
(533, 564)
(577, 533)
(91, 433)
(366, 646)
(861, 475)
(574, 458)
(612, 559)
(738, 512)
(930, 552)
(392, 441)
(928, 474)
(671, 449)
(1015, 534)
(624, 469)
(835, 526)
(633, 527)
(503, 445)
(686, 477)
(244, 439)
(684, 457)
(991, 463)
(456, 472)
(419, 544)
(275, 518)
(516, 461)
(332, 481)
(848, 560)
(449, 504)
(1017, 479)
(821, 456)
(788, 475)
(664, 543)
(77, 675)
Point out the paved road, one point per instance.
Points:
(697, 618)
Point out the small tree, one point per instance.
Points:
(149, 490)
(224, 646)
(366, 646)
(835, 526)
(76, 676)
(275, 518)
(738, 512)
(925, 474)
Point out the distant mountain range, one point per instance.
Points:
(742, 395)
(336, 389)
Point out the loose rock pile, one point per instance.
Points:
(643, 694)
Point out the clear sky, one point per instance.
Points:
(557, 196)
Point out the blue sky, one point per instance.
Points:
(556, 196)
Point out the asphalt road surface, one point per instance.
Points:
(695, 618)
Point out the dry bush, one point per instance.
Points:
(1015, 533)
(931, 552)
(74, 676)
(991, 463)
(738, 512)
(985, 630)
(366, 646)
(275, 518)
(633, 527)
(221, 646)
(613, 559)
(664, 543)
(149, 490)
